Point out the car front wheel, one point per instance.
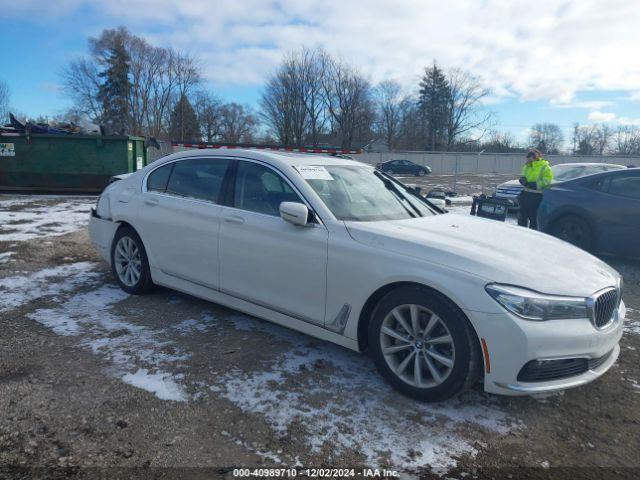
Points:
(423, 345)
(573, 230)
(129, 262)
(389, 171)
(421, 173)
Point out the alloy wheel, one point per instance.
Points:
(128, 261)
(417, 346)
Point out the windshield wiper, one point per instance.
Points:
(401, 196)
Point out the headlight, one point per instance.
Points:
(537, 306)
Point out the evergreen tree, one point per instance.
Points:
(113, 93)
(184, 123)
(434, 103)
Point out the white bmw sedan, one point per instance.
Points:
(337, 250)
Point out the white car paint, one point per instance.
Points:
(317, 278)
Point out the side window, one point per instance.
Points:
(600, 184)
(199, 178)
(625, 186)
(157, 180)
(260, 189)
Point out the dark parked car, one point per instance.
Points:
(561, 173)
(599, 213)
(403, 167)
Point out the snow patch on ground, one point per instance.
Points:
(42, 216)
(461, 200)
(632, 323)
(138, 354)
(333, 391)
(161, 384)
(511, 219)
(192, 325)
(21, 289)
(6, 256)
(340, 395)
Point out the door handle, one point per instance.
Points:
(235, 219)
(152, 202)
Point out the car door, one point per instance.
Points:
(264, 259)
(392, 166)
(622, 228)
(409, 167)
(179, 219)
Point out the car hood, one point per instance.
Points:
(495, 251)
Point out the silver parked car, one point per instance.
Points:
(561, 173)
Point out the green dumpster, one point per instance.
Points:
(67, 163)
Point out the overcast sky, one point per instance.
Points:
(558, 61)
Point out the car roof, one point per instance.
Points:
(273, 158)
(583, 164)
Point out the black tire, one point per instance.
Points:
(466, 357)
(389, 171)
(421, 173)
(144, 284)
(574, 230)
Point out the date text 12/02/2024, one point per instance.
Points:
(315, 472)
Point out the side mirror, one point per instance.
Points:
(294, 213)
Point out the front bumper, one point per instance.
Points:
(511, 198)
(512, 342)
(101, 232)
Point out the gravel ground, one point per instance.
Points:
(92, 379)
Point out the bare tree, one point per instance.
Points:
(591, 139)
(282, 103)
(626, 140)
(349, 102)
(292, 103)
(500, 142)
(158, 76)
(546, 137)
(467, 116)
(237, 123)
(82, 83)
(209, 110)
(388, 103)
(412, 131)
(313, 67)
(5, 96)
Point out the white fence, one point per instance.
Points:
(448, 162)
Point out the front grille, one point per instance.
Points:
(546, 370)
(508, 191)
(604, 307)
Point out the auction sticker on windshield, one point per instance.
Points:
(313, 172)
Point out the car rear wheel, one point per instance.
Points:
(129, 262)
(574, 230)
(423, 345)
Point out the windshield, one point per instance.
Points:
(562, 173)
(363, 194)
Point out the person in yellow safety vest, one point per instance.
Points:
(536, 177)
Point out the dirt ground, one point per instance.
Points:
(94, 382)
(464, 184)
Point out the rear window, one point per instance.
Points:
(157, 181)
(625, 186)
